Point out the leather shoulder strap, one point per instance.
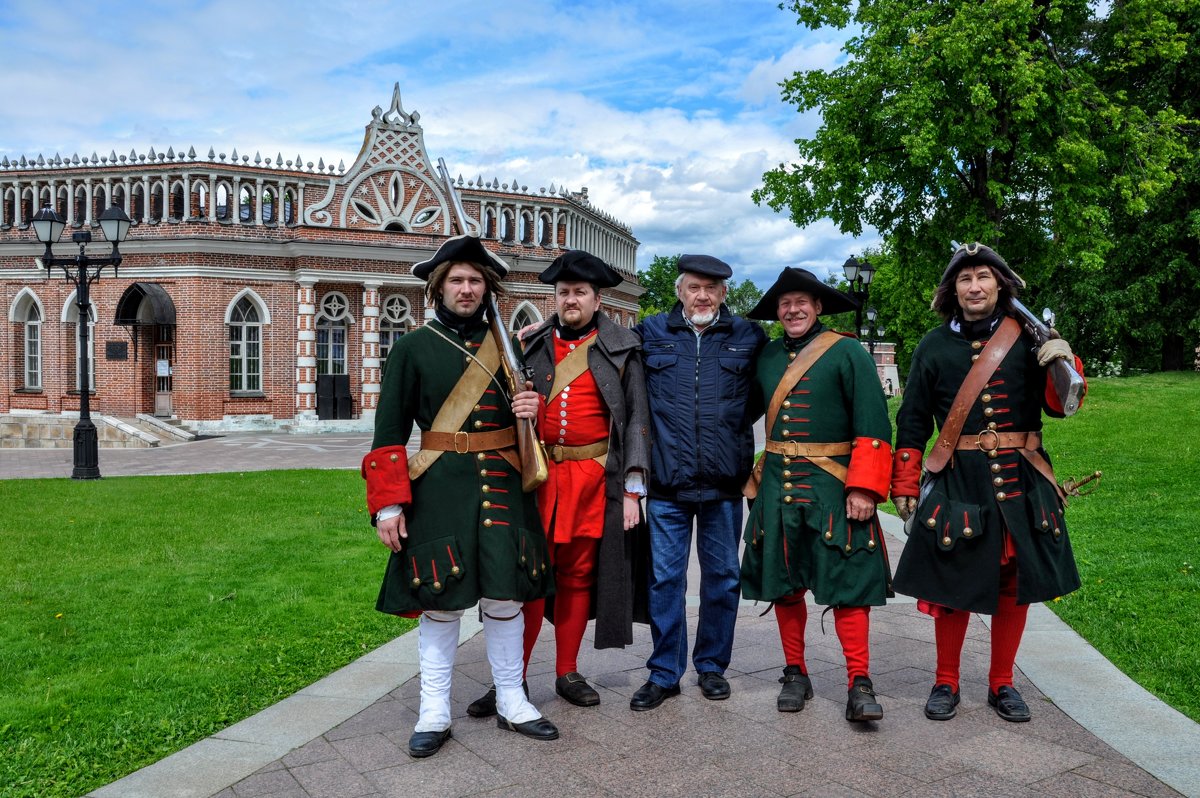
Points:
(461, 401)
(567, 370)
(809, 355)
(989, 360)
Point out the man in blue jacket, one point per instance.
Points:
(699, 360)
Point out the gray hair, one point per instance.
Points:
(678, 280)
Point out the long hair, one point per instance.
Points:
(433, 288)
(945, 299)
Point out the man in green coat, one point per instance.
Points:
(988, 533)
(461, 530)
(813, 526)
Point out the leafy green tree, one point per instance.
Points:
(958, 121)
(659, 281)
(742, 297)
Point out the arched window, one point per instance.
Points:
(268, 205)
(31, 330)
(526, 228)
(331, 333)
(177, 200)
(393, 322)
(489, 224)
(289, 207)
(70, 316)
(138, 205)
(544, 228)
(506, 226)
(526, 314)
(246, 204)
(245, 347)
(202, 201)
(223, 209)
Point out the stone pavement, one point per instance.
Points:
(1094, 732)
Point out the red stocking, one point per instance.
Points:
(949, 630)
(853, 626)
(1008, 626)
(791, 614)
(574, 574)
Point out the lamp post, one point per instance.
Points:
(859, 276)
(872, 314)
(82, 271)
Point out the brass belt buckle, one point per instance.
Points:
(466, 439)
(979, 440)
(556, 452)
(791, 448)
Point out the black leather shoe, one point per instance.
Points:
(713, 686)
(861, 704)
(423, 744)
(537, 729)
(797, 688)
(650, 696)
(942, 702)
(574, 688)
(485, 705)
(1009, 705)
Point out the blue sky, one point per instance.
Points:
(669, 112)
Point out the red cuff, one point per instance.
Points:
(870, 466)
(1052, 403)
(906, 473)
(386, 471)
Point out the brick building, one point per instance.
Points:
(258, 293)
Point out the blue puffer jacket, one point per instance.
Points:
(702, 446)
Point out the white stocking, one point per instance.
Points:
(503, 630)
(438, 644)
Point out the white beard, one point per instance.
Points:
(703, 319)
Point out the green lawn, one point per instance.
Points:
(144, 614)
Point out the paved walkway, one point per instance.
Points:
(1094, 732)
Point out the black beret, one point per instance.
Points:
(461, 249)
(579, 266)
(793, 279)
(706, 265)
(976, 254)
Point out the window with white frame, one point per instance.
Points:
(33, 346)
(394, 321)
(245, 347)
(526, 314)
(331, 333)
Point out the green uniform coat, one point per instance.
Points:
(797, 534)
(468, 511)
(977, 492)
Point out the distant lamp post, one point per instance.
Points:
(859, 275)
(872, 314)
(83, 270)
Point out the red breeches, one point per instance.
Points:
(574, 577)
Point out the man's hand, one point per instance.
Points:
(1054, 348)
(392, 532)
(527, 329)
(633, 512)
(905, 506)
(859, 505)
(527, 403)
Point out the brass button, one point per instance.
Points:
(991, 424)
(483, 472)
(791, 355)
(455, 570)
(974, 358)
(967, 532)
(787, 499)
(786, 433)
(874, 444)
(906, 456)
(853, 444)
(994, 453)
(787, 403)
(870, 544)
(787, 473)
(487, 522)
(437, 585)
(477, 408)
(478, 424)
(1045, 525)
(931, 523)
(395, 457)
(533, 572)
(486, 504)
(372, 464)
(486, 488)
(976, 345)
(787, 461)
(849, 547)
(1001, 496)
(416, 582)
(1057, 531)
(787, 418)
(995, 468)
(543, 567)
(998, 481)
(829, 536)
(989, 412)
(987, 397)
(522, 559)
(787, 486)
(481, 457)
(946, 541)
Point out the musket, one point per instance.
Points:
(1068, 384)
(530, 451)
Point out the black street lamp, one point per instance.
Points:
(859, 276)
(872, 314)
(48, 226)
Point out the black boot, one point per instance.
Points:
(796, 689)
(861, 705)
(485, 705)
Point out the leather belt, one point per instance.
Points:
(989, 439)
(800, 449)
(558, 452)
(464, 442)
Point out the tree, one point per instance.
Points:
(659, 282)
(742, 298)
(959, 121)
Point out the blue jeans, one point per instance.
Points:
(718, 530)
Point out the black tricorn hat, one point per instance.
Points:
(706, 265)
(976, 254)
(793, 279)
(465, 249)
(578, 266)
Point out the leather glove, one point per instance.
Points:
(1053, 349)
(905, 506)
